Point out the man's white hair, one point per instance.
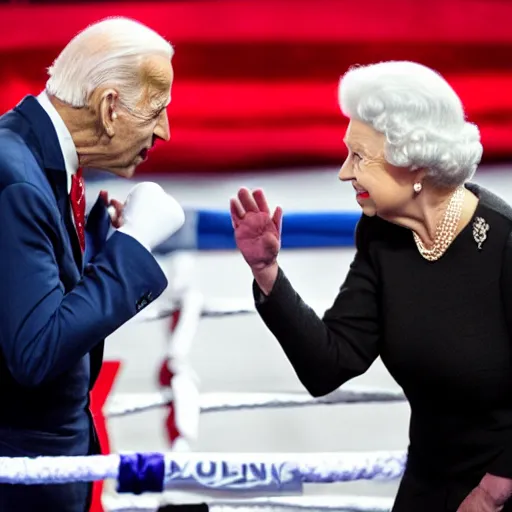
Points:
(421, 116)
(107, 53)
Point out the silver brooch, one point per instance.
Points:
(480, 228)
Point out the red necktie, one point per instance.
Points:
(77, 197)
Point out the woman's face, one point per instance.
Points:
(381, 188)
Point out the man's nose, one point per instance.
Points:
(162, 128)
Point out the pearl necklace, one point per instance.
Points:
(445, 231)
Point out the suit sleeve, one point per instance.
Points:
(502, 465)
(326, 352)
(44, 331)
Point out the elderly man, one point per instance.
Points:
(65, 285)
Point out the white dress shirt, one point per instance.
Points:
(66, 143)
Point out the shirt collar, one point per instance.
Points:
(66, 143)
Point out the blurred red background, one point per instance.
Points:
(256, 81)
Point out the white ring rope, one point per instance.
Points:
(124, 404)
(57, 470)
(214, 471)
(286, 503)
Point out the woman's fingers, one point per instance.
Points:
(247, 200)
(236, 208)
(255, 202)
(261, 201)
(237, 212)
(277, 219)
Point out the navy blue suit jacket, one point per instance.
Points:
(57, 304)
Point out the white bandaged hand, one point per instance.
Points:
(151, 215)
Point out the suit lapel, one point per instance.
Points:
(44, 143)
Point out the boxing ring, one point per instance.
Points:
(237, 481)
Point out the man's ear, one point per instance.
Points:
(107, 108)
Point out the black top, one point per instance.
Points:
(441, 329)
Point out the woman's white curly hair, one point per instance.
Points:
(421, 116)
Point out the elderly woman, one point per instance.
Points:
(429, 289)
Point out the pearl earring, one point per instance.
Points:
(417, 187)
(114, 115)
